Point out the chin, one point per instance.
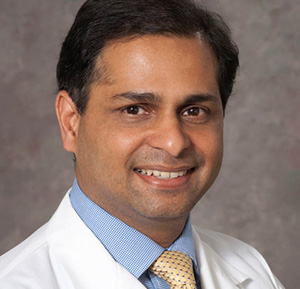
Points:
(167, 211)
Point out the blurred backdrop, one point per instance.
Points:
(257, 195)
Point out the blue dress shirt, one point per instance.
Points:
(132, 249)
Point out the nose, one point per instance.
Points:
(168, 135)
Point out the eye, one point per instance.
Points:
(134, 109)
(195, 114)
(193, 111)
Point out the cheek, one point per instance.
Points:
(118, 145)
(216, 153)
(215, 147)
(209, 142)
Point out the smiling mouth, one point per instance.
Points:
(163, 175)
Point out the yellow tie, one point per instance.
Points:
(176, 268)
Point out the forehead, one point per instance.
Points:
(159, 63)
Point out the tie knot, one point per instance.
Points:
(176, 268)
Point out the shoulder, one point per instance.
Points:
(32, 263)
(34, 243)
(230, 251)
(219, 241)
(230, 248)
(21, 265)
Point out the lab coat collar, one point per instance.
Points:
(83, 258)
(89, 265)
(215, 272)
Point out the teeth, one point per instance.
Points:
(164, 175)
(161, 174)
(156, 173)
(180, 174)
(174, 175)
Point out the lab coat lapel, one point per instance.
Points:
(215, 272)
(87, 262)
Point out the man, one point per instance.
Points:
(143, 86)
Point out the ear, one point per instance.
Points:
(68, 119)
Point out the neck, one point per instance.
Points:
(163, 229)
(163, 232)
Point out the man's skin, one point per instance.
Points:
(158, 108)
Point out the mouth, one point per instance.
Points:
(166, 178)
(163, 175)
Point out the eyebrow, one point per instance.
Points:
(139, 96)
(155, 98)
(200, 97)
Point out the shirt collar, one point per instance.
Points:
(129, 247)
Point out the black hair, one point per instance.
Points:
(100, 21)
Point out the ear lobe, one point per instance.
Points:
(68, 119)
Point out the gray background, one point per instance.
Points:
(256, 197)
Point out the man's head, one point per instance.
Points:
(141, 106)
(100, 22)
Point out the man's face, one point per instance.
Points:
(150, 142)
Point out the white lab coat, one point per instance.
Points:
(64, 254)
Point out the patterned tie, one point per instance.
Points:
(176, 268)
